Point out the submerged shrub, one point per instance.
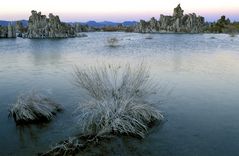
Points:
(232, 34)
(149, 37)
(33, 107)
(66, 147)
(72, 146)
(113, 42)
(118, 100)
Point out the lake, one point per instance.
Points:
(199, 75)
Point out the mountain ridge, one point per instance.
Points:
(91, 23)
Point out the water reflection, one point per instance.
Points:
(202, 109)
(46, 51)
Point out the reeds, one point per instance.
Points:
(33, 107)
(119, 100)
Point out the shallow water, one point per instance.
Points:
(200, 74)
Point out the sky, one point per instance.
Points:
(117, 10)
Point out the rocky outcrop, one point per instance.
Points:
(81, 28)
(178, 12)
(223, 25)
(145, 27)
(8, 32)
(20, 29)
(3, 32)
(39, 26)
(11, 31)
(189, 23)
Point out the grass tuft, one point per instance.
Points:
(119, 100)
(33, 107)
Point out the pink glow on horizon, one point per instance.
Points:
(71, 17)
(119, 18)
(117, 10)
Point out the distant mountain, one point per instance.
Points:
(129, 23)
(89, 23)
(108, 23)
(24, 22)
(5, 23)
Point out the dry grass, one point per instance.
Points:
(33, 107)
(119, 100)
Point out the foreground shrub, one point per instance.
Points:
(33, 107)
(119, 100)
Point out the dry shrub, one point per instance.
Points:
(33, 107)
(118, 100)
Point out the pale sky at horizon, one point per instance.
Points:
(118, 11)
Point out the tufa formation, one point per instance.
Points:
(8, 32)
(40, 26)
(189, 23)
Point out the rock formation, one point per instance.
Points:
(39, 26)
(20, 29)
(11, 31)
(3, 32)
(189, 23)
(8, 32)
(178, 12)
(223, 25)
(81, 28)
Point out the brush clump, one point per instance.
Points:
(118, 101)
(232, 34)
(73, 146)
(33, 107)
(113, 42)
(66, 147)
(149, 37)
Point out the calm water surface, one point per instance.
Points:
(201, 112)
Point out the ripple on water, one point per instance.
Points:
(201, 111)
